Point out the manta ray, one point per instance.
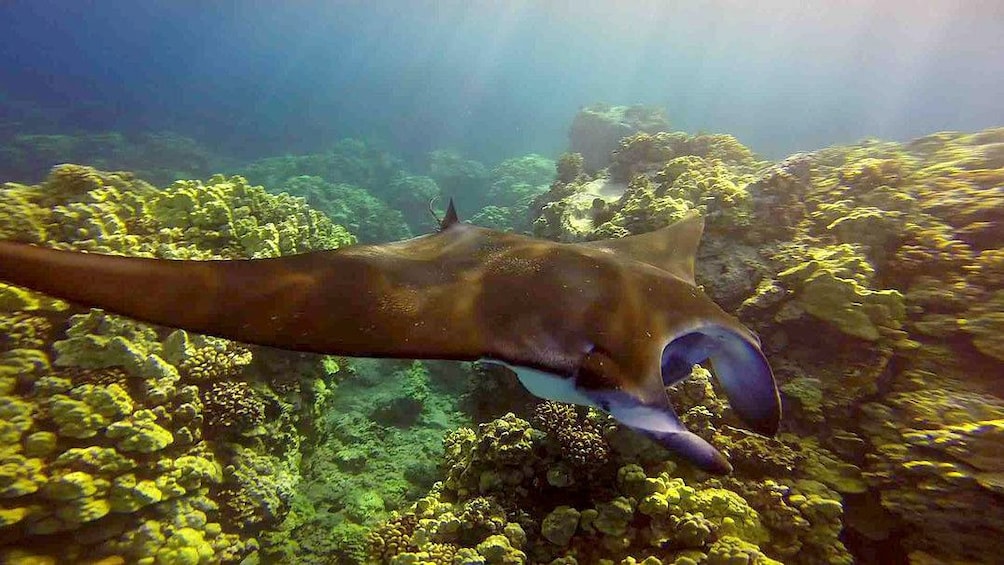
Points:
(607, 324)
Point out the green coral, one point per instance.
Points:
(520, 179)
(560, 524)
(612, 518)
(412, 195)
(731, 550)
(186, 546)
(20, 475)
(643, 209)
(40, 444)
(127, 494)
(348, 161)
(159, 157)
(364, 215)
(985, 323)
(655, 179)
(89, 409)
(465, 180)
(499, 455)
(205, 358)
(140, 433)
(15, 420)
(833, 286)
(14, 298)
(579, 437)
(498, 550)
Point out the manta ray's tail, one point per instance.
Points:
(223, 298)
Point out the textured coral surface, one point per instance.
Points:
(123, 442)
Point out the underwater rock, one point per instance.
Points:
(597, 130)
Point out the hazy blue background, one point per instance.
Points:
(496, 79)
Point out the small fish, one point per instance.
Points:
(606, 324)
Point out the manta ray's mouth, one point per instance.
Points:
(739, 366)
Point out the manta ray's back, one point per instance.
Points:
(616, 321)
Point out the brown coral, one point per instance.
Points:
(392, 537)
(232, 406)
(580, 440)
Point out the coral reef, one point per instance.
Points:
(873, 273)
(109, 427)
(900, 236)
(413, 195)
(505, 499)
(349, 161)
(378, 442)
(365, 216)
(515, 183)
(653, 180)
(464, 180)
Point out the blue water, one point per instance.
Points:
(499, 78)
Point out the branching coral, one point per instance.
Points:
(579, 438)
(231, 406)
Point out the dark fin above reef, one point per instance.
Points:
(737, 363)
(450, 218)
(672, 249)
(744, 373)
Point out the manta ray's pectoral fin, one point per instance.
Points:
(646, 409)
(672, 249)
(749, 384)
(658, 421)
(739, 366)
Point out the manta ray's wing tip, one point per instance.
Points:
(658, 421)
(693, 449)
(740, 367)
(749, 384)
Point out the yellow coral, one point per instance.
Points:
(127, 494)
(88, 409)
(20, 475)
(15, 420)
(140, 433)
(731, 550)
(831, 287)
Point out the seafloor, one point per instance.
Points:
(874, 274)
